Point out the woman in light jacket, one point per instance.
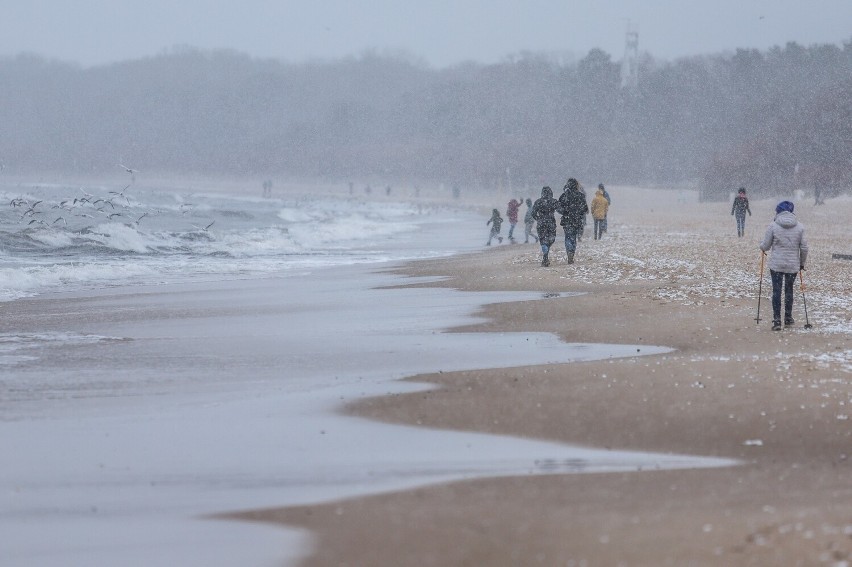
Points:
(599, 207)
(785, 236)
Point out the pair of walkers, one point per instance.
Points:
(785, 238)
(573, 208)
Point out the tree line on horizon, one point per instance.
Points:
(769, 120)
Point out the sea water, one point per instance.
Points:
(62, 237)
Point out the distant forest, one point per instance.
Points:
(768, 120)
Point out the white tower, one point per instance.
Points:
(630, 63)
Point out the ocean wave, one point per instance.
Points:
(65, 238)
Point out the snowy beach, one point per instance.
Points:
(135, 413)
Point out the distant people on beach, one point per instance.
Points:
(739, 210)
(544, 211)
(599, 207)
(512, 215)
(528, 222)
(785, 237)
(818, 200)
(573, 208)
(267, 188)
(495, 221)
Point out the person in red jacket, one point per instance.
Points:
(512, 215)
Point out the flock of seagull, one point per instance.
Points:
(116, 206)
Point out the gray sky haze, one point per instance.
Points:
(442, 32)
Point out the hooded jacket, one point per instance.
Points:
(573, 208)
(600, 206)
(512, 210)
(785, 236)
(543, 211)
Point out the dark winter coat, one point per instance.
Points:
(740, 207)
(495, 221)
(544, 211)
(785, 236)
(573, 208)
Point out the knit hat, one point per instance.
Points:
(741, 191)
(784, 206)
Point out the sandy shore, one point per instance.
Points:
(669, 273)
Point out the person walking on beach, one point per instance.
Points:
(495, 221)
(573, 208)
(544, 211)
(785, 237)
(739, 210)
(512, 215)
(528, 222)
(604, 226)
(600, 206)
(583, 224)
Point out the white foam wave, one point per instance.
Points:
(119, 236)
(166, 237)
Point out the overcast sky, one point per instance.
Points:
(443, 32)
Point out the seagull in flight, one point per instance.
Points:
(129, 170)
(204, 228)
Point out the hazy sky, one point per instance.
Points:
(443, 32)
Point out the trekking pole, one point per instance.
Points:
(804, 300)
(760, 285)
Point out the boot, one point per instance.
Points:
(545, 262)
(776, 325)
(569, 257)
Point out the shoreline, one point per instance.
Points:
(733, 389)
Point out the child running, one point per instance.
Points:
(495, 221)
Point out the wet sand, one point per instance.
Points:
(669, 273)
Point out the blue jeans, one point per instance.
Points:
(787, 281)
(570, 238)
